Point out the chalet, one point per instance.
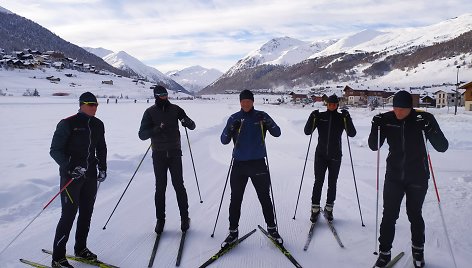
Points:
(298, 97)
(467, 96)
(427, 101)
(363, 97)
(446, 97)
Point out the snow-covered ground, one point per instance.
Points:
(29, 178)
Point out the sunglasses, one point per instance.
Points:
(90, 103)
(162, 94)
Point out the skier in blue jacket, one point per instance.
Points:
(247, 129)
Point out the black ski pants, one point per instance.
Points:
(78, 196)
(323, 163)
(260, 177)
(172, 161)
(392, 198)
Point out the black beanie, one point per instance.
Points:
(87, 97)
(402, 99)
(246, 95)
(333, 99)
(159, 91)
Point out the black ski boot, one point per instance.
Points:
(231, 238)
(418, 256)
(62, 263)
(185, 224)
(275, 235)
(160, 226)
(86, 254)
(328, 210)
(315, 212)
(384, 258)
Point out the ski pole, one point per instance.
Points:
(304, 166)
(132, 177)
(268, 171)
(353, 174)
(193, 164)
(377, 203)
(227, 176)
(50, 201)
(439, 200)
(222, 195)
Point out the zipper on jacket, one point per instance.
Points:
(403, 149)
(329, 133)
(90, 143)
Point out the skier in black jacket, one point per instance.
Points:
(407, 170)
(160, 123)
(328, 154)
(78, 146)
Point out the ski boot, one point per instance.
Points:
(418, 256)
(62, 263)
(275, 235)
(86, 254)
(384, 259)
(231, 238)
(315, 212)
(328, 210)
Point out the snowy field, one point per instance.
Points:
(29, 178)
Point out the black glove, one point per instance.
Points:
(424, 122)
(345, 113)
(315, 114)
(188, 123)
(102, 175)
(78, 172)
(159, 129)
(235, 125)
(378, 120)
(266, 120)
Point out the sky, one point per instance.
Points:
(174, 34)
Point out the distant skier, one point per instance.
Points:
(247, 129)
(160, 124)
(328, 154)
(407, 170)
(78, 146)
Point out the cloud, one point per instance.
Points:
(216, 33)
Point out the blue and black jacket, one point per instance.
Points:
(249, 139)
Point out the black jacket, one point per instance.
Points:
(330, 125)
(407, 159)
(160, 123)
(79, 140)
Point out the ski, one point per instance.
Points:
(333, 230)
(281, 248)
(181, 247)
(154, 250)
(391, 263)
(225, 250)
(97, 263)
(34, 264)
(310, 236)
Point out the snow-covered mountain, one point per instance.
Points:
(124, 61)
(99, 51)
(398, 55)
(400, 40)
(195, 78)
(280, 51)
